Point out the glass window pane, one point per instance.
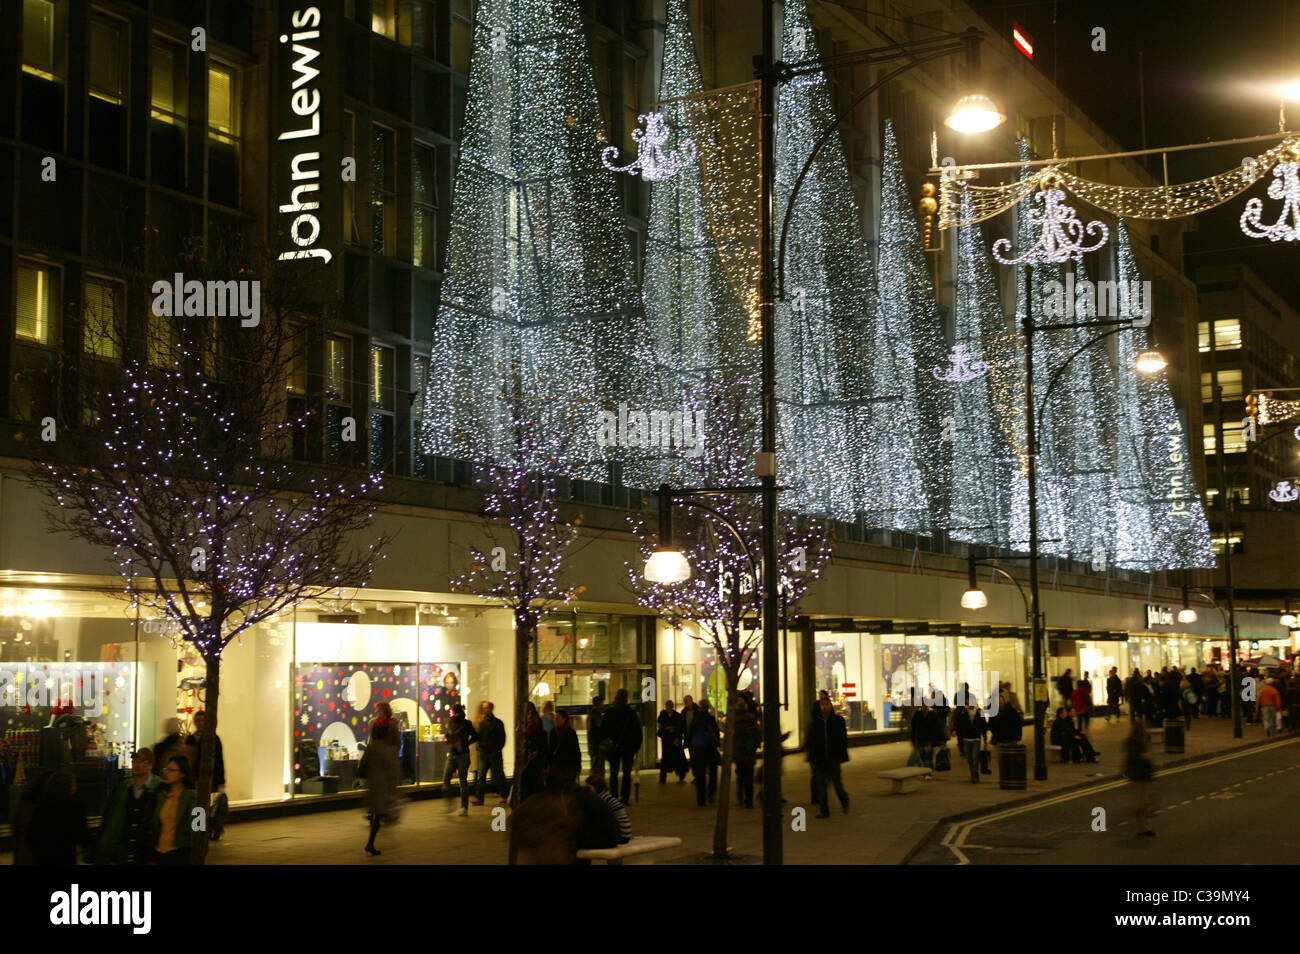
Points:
(42, 44)
(221, 100)
(167, 77)
(1227, 334)
(425, 186)
(298, 360)
(36, 298)
(102, 312)
(1229, 382)
(381, 377)
(108, 60)
(338, 368)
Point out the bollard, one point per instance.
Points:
(1173, 736)
(1012, 762)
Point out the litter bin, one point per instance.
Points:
(1012, 763)
(1174, 736)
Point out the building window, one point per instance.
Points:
(1229, 384)
(168, 111)
(421, 463)
(1216, 544)
(38, 296)
(383, 18)
(424, 20)
(43, 39)
(381, 407)
(1227, 335)
(102, 316)
(462, 40)
(424, 252)
(223, 134)
(1233, 441)
(604, 92)
(351, 230)
(1239, 496)
(108, 58)
(339, 422)
(383, 199)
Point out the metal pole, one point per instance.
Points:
(772, 829)
(1234, 676)
(1036, 623)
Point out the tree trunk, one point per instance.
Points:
(523, 639)
(207, 761)
(724, 780)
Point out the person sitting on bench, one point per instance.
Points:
(1074, 744)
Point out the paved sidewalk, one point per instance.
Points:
(879, 829)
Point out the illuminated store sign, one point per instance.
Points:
(306, 164)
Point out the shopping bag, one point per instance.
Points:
(942, 761)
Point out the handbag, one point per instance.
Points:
(942, 760)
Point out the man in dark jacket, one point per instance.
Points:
(828, 750)
(1114, 693)
(563, 754)
(491, 743)
(925, 732)
(671, 738)
(620, 738)
(703, 743)
(124, 835)
(1065, 685)
(220, 806)
(460, 735)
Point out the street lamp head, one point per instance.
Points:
(974, 599)
(1150, 361)
(1289, 91)
(1288, 620)
(1187, 615)
(667, 565)
(974, 114)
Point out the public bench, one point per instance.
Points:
(638, 851)
(900, 776)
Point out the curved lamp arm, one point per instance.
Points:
(1029, 616)
(686, 501)
(1056, 375)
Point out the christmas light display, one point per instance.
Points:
(1061, 235)
(1160, 521)
(827, 370)
(962, 366)
(653, 161)
(698, 321)
(538, 292)
(1284, 492)
(1285, 186)
(906, 341)
(989, 497)
(1273, 410)
(1131, 202)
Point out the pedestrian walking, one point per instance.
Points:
(1270, 704)
(379, 768)
(1065, 685)
(128, 819)
(56, 826)
(563, 753)
(220, 804)
(970, 728)
(746, 746)
(828, 750)
(1007, 725)
(491, 746)
(926, 731)
(172, 743)
(460, 738)
(703, 742)
(620, 732)
(596, 783)
(1189, 699)
(535, 757)
(173, 813)
(548, 719)
(593, 735)
(672, 743)
(1114, 693)
(1138, 768)
(1081, 703)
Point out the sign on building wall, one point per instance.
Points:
(1159, 616)
(306, 184)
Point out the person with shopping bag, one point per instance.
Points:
(969, 726)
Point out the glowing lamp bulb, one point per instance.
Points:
(1187, 615)
(667, 566)
(1149, 362)
(974, 599)
(1288, 620)
(973, 114)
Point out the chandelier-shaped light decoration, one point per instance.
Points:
(1061, 238)
(1284, 492)
(962, 366)
(1285, 186)
(653, 161)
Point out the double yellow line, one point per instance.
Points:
(955, 839)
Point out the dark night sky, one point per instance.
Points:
(1208, 66)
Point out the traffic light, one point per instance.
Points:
(1252, 404)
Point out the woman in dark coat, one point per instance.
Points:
(381, 770)
(536, 755)
(747, 742)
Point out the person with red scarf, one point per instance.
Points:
(380, 770)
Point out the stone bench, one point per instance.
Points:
(899, 776)
(638, 851)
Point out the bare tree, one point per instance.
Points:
(722, 599)
(183, 467)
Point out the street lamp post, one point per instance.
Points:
(1234, 675)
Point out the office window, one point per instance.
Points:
(38, 296)
(420, 462)
(1227, 335)
(43, 39)
(424, 18)
(381, 407)
(169, 108)
(338, 394)
(425, 191)
(101, 319)
(108, 58)
(351, 230)
(383, 18)
(1233, 441)
(1229, 384)
(223, 134)
(1216, 544)
(296, 382)
(462, 39)
(383, 199)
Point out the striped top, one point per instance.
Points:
(620, 813)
